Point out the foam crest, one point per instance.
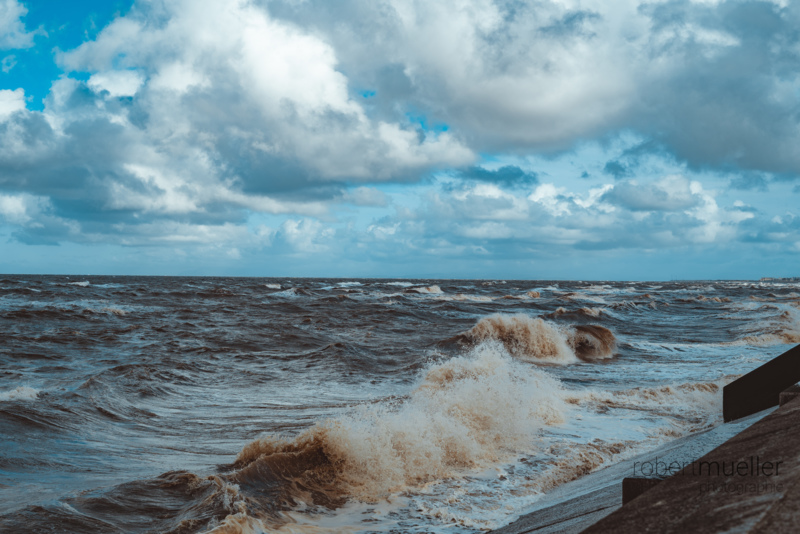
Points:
(536, 340)
(576, 295)
(85, 283)
(292, 292)
(272, 286)
(469, 412)
(782, 329)
(19, 393)
(462, 297)
(430, 290)
(703, 298)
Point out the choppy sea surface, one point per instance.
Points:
(167, 404)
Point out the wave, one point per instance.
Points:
(536, 340)
(528, 295)
(468, 412)
(399, 284)
(784, 329)
(777, 337)
(703, 298)
(638, 305)
(430, 290)
(585, 312)
(272, 286)
(461, 297)
(19, 393)
(575, 295)
(480, 410)
(292, 292)
(85, 283)
(695, 404)
(19, 290)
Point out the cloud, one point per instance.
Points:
(35, 219)
(462, 127)
(116, 83)
(255, 89)
(13, 34)
(16, 208)
(712, 83)
(617, 169)
(11, 102)
(749, 181)
(672, 193)
(305, 236)
(366, 196)
(553, 221)
(8, 63)
(204, 112)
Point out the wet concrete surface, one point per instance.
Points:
(580, 504)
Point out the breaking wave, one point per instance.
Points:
(536, 340)
(468, 412)
(292, 292)
(430, 290)
(478, 410)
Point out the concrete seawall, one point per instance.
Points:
(742, 476)
(750, 483)
(581, 503)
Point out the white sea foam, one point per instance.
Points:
(461, 297)
(430, 290)
(85, 283)
(19, 393)
(399, 284)
(272, 286)
(292, 292)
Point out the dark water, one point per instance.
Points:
(127, 403)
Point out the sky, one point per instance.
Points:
(568, 139)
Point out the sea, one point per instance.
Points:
(245, 405)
